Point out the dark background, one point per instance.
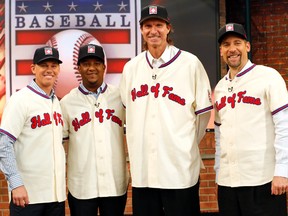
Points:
(195, 24)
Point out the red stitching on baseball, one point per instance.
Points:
(82, 40)
(53, 43)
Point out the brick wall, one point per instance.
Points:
(208, 199)
(269, 34)
(3, 196)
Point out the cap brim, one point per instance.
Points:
(49, 58)
(231, 33)
(90, 56)
(153, 17)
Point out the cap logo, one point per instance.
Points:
(91, 49)
(229, 27)
(153, 10)
(48, 51)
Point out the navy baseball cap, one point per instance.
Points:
(46, 53)
(154, 11)
(91, 50)
(229, 28)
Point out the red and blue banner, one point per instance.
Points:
(33, 23)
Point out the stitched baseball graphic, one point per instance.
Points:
(68, 42)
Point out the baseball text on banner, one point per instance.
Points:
(66, 25)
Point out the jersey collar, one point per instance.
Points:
(169, 55)
(36, 89)
(100, 90)
(248, 67)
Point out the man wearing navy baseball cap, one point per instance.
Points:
(91, 50)
(166, 93)
(251, 132)
(31, 151)
(93, 122)
(157, 12)
(154, 11)
(232, 28)
(46, 53)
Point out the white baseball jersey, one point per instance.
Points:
(96, 155)
(162, 105)
(35, 123)
(244, 108)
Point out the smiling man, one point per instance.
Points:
(32, 156)
(166, 92)
(251, 129)
(94, 122)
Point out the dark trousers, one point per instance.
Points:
(42, 209)
(168, 202)
(250, 201)
(108, 206)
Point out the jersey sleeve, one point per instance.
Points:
(203, 101)
(277, 93)
(14, 116)
(13, 120)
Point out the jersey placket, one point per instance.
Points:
(57, 152)
(99, 118)
(232, 143)
(153, 127)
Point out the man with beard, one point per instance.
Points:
(251, 130)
